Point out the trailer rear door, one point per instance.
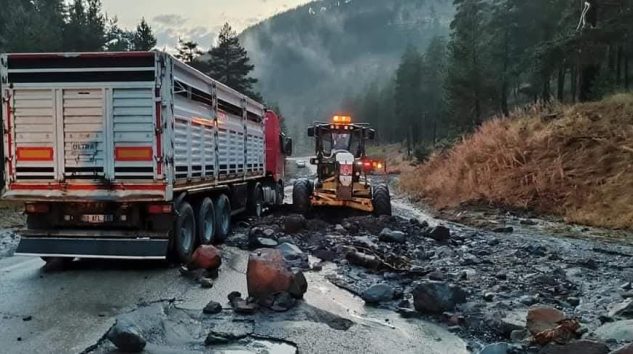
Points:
(85, 121)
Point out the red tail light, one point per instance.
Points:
(160, 209)
(37, 208)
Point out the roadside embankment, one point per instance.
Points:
(570, 161)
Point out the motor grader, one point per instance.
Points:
(341, 170)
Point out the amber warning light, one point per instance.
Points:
(342, 119)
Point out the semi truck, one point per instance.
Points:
(132, 155)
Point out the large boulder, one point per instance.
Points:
(206, 257)
(619, 331)
(627, 349)
(293, 255)
(437, 297)
(127, 337)
(294, 223)
(581, 346)
(378, 293)
(541, 319)
(623, 309)
(267, 273)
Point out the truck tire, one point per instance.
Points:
(206, 222)
(184, 233)
(381, 200)
(301, 192)
(279, 189)
(256, 200)
(222, 217)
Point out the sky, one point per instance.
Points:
(197, 20)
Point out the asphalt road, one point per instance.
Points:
(70, 310)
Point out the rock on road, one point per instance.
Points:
(69, 311)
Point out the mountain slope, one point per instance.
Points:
(311, 58)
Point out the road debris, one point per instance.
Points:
(126, 336)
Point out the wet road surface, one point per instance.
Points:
(70, 310)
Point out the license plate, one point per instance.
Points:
(347, 170)
(97, 219)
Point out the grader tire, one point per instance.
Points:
(381, 200)
(301, 196)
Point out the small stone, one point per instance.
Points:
(437, 276)
(126, 337)
(216, 339)
(627, 349)
(378, 293)
(489, 297)
(298, 285)
(234, 295)
(440, 233)
(27, 318)
(573, 301)
(528, 222)
(212, 308)
(407, 312)
(626, 286)
(206, 283)
(339, 228)
(519, 335)
(388, 235)
(503, 230)
(283, 302)
(581, 346)
(242, 307)
(527, 300)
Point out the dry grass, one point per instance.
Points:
(572, 161)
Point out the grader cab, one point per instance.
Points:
(342, 179)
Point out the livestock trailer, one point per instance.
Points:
(132, 154)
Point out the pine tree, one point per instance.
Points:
(117, 39)
(144, 39)
(188, 51)
(229, 62)
(407, 96)
(468, 81)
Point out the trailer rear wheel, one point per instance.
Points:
(256, 201)
(184, 233)
(222, 217)
(301, 196)
(381, 200)
(206, 222)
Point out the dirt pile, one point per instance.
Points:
(571, 161)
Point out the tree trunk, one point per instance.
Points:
(618, 75)
(626, 72)
(589, 72)
(573, 80)
(561, 84)
(545, 95)
(477, 122)
(504, 98)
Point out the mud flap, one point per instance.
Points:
(93, 248)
